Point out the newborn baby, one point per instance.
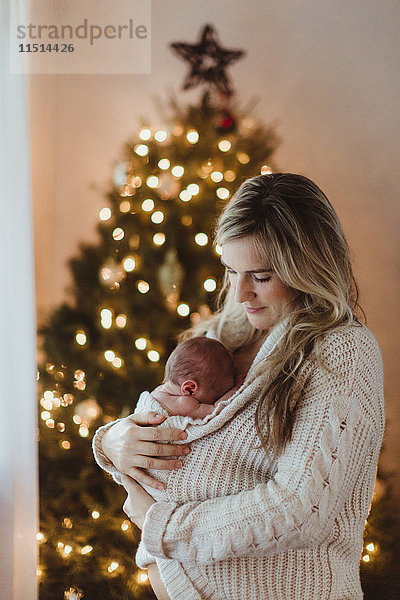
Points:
(199, 372)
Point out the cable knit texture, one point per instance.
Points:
(232, 527)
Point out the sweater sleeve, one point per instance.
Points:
(332, 439)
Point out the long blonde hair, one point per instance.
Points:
(296, 230)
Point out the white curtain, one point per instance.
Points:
(18, 425)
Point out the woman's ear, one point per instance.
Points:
(189, 387)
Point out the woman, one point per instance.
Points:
(272, 499)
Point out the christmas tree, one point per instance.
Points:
(152, 273)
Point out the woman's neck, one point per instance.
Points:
(244, 356)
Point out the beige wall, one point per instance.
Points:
(325, 72)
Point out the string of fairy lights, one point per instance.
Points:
(111, 274)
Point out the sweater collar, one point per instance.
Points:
(271, 341)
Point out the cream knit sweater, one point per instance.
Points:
(229, 528)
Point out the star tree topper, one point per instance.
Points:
(208, 61)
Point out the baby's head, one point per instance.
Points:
(202, 367)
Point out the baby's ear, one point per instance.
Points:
(189, 387)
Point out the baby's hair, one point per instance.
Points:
(203, 359)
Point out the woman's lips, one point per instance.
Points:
(252, 311)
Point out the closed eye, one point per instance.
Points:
(255, 278)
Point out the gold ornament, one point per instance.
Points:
(170, 277)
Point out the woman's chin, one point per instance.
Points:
(260, 321)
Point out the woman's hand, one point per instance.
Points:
(138, 501)
(131, 445)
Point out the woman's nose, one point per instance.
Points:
(244, 289)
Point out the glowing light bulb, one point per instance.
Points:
(83, 431)
(224, 145)
(216, 176)
(186, 220)
(141, 343)
(152, 181)
(136, 181)
(129, 264)
(80, 338)
(160, 136)
(50, 423)
(159, 239)
(120, 321)
(157, 216)
(183, 310)
(79, 374)
(201, 239)
(106, 318)
(49, 395)
(210, 284)
(105, 214)
(109, 355)
(95, 514)
(145, 134)
(185, 196)
(370, 547)
(45, 415)
(125, 206)
(143, 287)
(76, 419)
(266, 170)
(222, 193)
(243, 158)
(118, 234)
(366, 558)
(67, 550)
(193, 188)
(61, 427)
(117, 362)
(86, 549)
(178, 171)
(113, 566)
(230, 175)
(142, 577)
(218, 249)
(148, 205)
(47, 404)
(125, 525)
(164, 164)
(153, 356)
(65, 445)
(192, 136)
(141, 149)
(40, 536)
(80, 385)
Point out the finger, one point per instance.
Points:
(145, 479)
(153, 449)
(150, 418)
(129, 484)
(162, 434)
(147, 462)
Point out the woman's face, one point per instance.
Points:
(264, 296)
